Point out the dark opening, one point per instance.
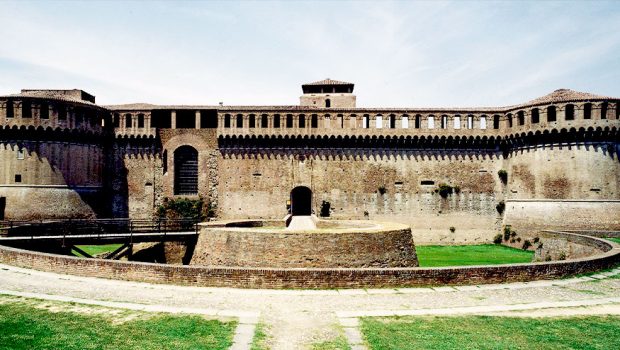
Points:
(227, 121)
(62, 113)
(302, 121)
(26, 109)
(45, 111)
(427, 182)
(328, 103)
(239, 121)
(252, 121)
(116, 120)
(208, 119)
(535, 116)
(444, 121)
(161, 119)
(264, 121)
(9, 109)
(393, 122)
(186, 119)
(551, 114)
(164, 161)
(140, 120)
(186, 170)
(509, 117)
(314, 122)
(604, 110)
(496, 121)
(301, 201)
(289, 120)
(128, 120)
(2, 207)
(587, 111)
(276, 121)
(521, 117)
(18, 178)
(569, 112)
(417, 121)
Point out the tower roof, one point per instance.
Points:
(566, 95)
(327, 81)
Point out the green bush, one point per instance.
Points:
(497, 239)
(526, 244)
(500, 207)
(503, 176)
(452, 229)
(507, 231)
(183, 208)
(325, 209)
(444, 190)
(382, 190)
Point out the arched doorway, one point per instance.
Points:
(186, 171)
(301, 201)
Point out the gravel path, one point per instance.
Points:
(297, 318)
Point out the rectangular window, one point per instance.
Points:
(483, 122)
(378, 122)
(314, 121)
(26, 109)
(20, 153)
(276, 121)
(302, 121)
(45, 111)
(227, 121)
(365, 122)
(604, 110)
(18, 178)
(9, 109)
(140, 120)
(470, 122)
(128, 120)
(496, 122)
(431, 122)
(252, 122)
(457, 122)
(535, 116)
(404, 122)
(62, 113)
(289, 120)
(264, 121)
(417, 122)
(444, 121)
(392, 122)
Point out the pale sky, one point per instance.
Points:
(398, 54)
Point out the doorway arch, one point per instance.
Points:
(186, 171)
(301, 201)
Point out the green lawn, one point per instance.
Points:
(98, 249)
(482, 332)
(435, 255)
(24, 326)
(615, 239)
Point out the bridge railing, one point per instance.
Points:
(71, 227)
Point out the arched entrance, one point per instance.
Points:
(186, 171)
(301, 201)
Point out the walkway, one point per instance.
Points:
(296, 319)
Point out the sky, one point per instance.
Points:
(398, 54)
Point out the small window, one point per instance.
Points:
(404, 122)
(20, 153)
(483, 122)
(264, 121)
(431, 122)
(276, 121)
(239, 121)
(18, 178)
(457, 122)
(535, 116)
(379, 121)
(227, 120)
(140, 120)
(427, 182)
(496, 122)
(521, 117)
(62, 113)
(314, 121)
(604, 110)
(128, 120)
(417, 121)
(289, 120)
(366, 121)
(252, 121)
(45, 111)
(9, 109)
(587, 111)
(116, 120)
(392, 120)
(470, 122)
(617, 110)
(509, 118)
(569, 112)
(302, 121)
(328, 103)
(26, 109)
(551, 114)
(444, 121)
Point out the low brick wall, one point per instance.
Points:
(311, 277)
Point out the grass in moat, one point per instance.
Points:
(614, 239)
(484, 332)
(458, 255)
(25, 324)
(98, 249)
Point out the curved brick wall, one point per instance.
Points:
(312, 277)
(366, 244)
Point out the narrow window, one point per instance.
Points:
(535, 116)
(617, 110)
(483, 122)
(186, 171)
(431, 122)
(569, 112)
(302, 121)
(379, 121)
(140, 120)
(604, 110)
(314, 121)
(551, 114)
(164, 161)
(252, 122)
(45, 111)
(328, 103)
(276, 121)
(289, 120)
(26, 109)
(417, 122)
(239, 120)
(404, 122)
(509, 118)
(62, 113)
(116, 120)
(9, 109)
(392, 122)
(18, 178)
(444, 121)
(20, 154)
(496, 121)
(457, 122)
(587, 111)
(227, 120)
(470, 122)
(264, 121)
(521, 117)
(365, 121)
(128, 120)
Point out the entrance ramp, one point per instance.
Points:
(302, 223)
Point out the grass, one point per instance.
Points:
(614, 239)
(484, 254)
(484, 332)
(24, 325)
(260, 339)
(339, 343)
(98, 249)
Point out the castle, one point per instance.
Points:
(452, 174)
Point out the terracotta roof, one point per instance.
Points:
(50, 95)
(328, 82)
(566, 95)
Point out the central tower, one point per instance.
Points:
(327, 94)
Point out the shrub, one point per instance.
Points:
(497, 239)
(562, 256)
(457, 189)
(325, 209)
(382, 190)
(444, 190)
(526, 244)
(183, 208)
(452, 229)
(500, 207)
(548, 258)
(536, 239)
(507, 232)
(503, 176)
